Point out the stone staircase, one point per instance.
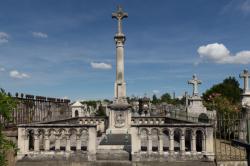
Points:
(114, 147)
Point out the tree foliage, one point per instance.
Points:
(166, 97)
(100, 111)
(7, 104)
(224, 97)
(229, 89)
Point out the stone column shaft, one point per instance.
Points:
(78, 142)
(149, 144)
(47, 143)
(160, 148)
(171, 143)
(57, 143)
(68, 146)
(36, 143)
(203, 144)
(182, 143)
(193, 143)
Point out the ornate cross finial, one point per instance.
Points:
(245, 75)
(195, 83)
(119, 15)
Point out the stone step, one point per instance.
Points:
(119, 155)
(116, 139)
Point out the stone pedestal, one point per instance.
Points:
(196, 105)
(119, 118)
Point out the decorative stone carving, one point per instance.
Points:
(119, 119)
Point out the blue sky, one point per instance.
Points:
(66, 48)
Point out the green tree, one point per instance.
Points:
(155, 100)
(224, 97)
(7, 104)
(229, 89)
(166, 97)
(100, 111)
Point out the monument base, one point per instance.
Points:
(118, 131)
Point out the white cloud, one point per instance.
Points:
(104, 66)
(156, 91)
(39, 35)
(218, 53)
(19, 75)
(4, 37)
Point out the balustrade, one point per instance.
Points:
(49, 139)
(178, 139)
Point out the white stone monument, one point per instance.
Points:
(119, 114)
(195, 102)
(246, 92)
(79, 110)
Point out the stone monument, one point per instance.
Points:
(120, 113)
(246, 92)
(195, 102)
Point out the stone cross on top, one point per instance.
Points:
(119, 15)
(195, 83)
(245, 75)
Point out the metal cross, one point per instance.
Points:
(119, 15)
(245, 75)
(195, 83)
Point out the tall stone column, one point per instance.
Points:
(120, 115)
(120, 85)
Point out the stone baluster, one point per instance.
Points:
(68, 141)
(160, 148)
(149, 143)
(182, 142)
(36, 141)
(171, 142)
(58, 141)
(46, 141)
(193, 143)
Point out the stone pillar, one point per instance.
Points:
(193, 142)
(209, 144)
(203, 143)
(92, 144)
(149, 143)
(182, 142)
(78, 142)
(171, 142)
(36, 141)
(23, 143)
(68, 143)
(160, 148)
(57, 143)
(46, 141)
(135, 142)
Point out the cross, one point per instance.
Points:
(245, 75)
(195, 83)
(119, 15)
